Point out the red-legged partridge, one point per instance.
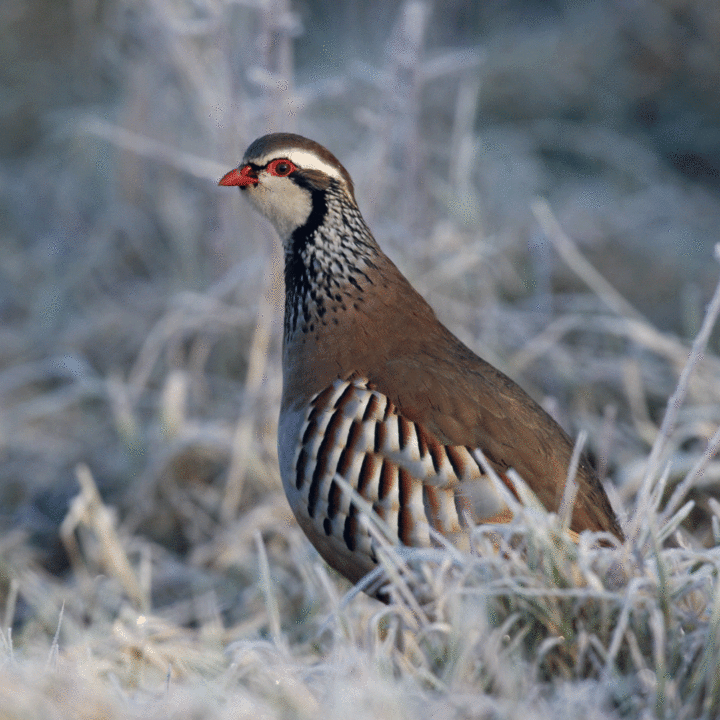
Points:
(378, 392)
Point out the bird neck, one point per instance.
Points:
(327, 263)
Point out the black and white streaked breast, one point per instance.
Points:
(410, 480)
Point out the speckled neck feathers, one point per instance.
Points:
(327, 262)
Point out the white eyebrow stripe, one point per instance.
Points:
(304, 159)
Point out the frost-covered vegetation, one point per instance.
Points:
(546, 173)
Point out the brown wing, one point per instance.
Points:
(482, 408)
(462, 400)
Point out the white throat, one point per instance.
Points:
(286, 205)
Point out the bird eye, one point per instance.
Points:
(281, 168)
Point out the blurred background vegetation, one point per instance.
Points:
(141, 305)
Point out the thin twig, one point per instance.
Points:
(689, 480)
(579, 264)
(271, 602)
(146, 147)
(676, 399)
(571, 483)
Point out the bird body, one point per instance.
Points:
(377, 391)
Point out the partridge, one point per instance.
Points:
(379, 393)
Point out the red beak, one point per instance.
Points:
(240, 176)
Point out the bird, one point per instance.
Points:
(382, 406)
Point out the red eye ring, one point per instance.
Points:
(282, 167)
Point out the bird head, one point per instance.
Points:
(286, 177)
